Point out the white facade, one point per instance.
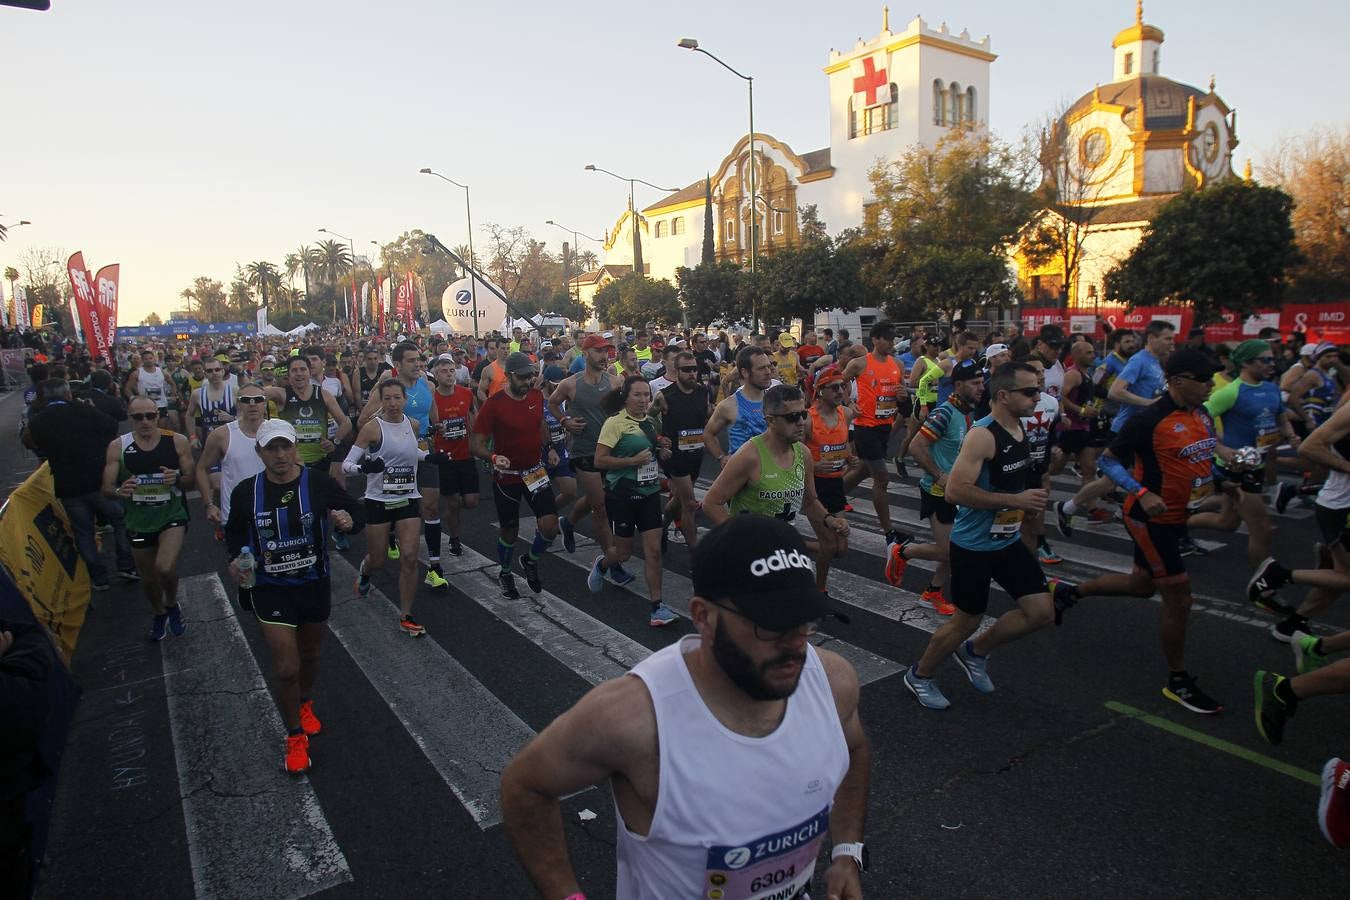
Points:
(886, 94)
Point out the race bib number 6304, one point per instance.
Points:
(777, 866)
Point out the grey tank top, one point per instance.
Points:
(589, 404)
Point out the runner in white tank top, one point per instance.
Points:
(241, 461)
(730, 754)
(232, 450)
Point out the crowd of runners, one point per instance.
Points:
(283, 449)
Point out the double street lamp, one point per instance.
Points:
(632, 208)
(468, 217)
(350, 246)
(575, 235)
(692, 44)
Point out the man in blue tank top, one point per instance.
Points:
(990, 485)
(741, 414)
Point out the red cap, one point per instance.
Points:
(828, 377)
(595, 342)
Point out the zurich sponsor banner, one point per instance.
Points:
(458, 305)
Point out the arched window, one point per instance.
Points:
(970, 104)
(661, 228)
(954, 113)
(677, 225)
(939, 102)
(730, 234)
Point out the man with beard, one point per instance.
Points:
(706, 743)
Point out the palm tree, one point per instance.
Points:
(334, 260)
(262, 275)
(189, 295)
(462, 251)
(11, 275)
(586, 261)
(302, 260)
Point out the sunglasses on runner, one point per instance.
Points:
(1031, 393)
(145, 417)
(252, 399)
(790, 417)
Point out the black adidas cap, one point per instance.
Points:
(761, 565)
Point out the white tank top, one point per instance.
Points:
(736, 817)
(152, 386)
(1335, 491)
(398, 449)
(240, 461)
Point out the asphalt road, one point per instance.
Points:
(1075, 778)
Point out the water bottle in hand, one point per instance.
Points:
(247, 568)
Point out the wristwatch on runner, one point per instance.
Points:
(856, 852)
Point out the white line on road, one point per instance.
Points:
(227, 739)
(461, 727)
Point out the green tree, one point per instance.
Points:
(709, 248)
(937, 235)
(332, 260)
(1229, 246)
(206, 297)
(408, 253)
(636, 300)
(301, 261)
(152, 319)
(264, 277)
(12, 276)
(713, 292)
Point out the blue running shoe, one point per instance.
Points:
(662, 616)
(362, 586)
(176, 623)
(596, 579)
(158, 627)
(976, 666)
(620, 576)
(569, 535)
(340, 541)
(926, 690)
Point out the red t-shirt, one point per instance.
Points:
(452, 430)
(516, 429)
(807, 353)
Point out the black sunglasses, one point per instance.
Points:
(252, 399)
(1028, 392)
(798, 416)
(145, 417)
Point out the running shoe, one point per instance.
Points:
(1284, 630)
(308, 721)
(1185, 690)
(410, 627)
(1100, 516)
(620, 576)
(1268, 578)
(976, 667)
(435, 579)
(159, 627)
(393, 551)
(1284, 495)
(1189, 547)
(941, 605)
(1306, 657)
(662, 616)
(341, 541)
(530, 568)
(176, 624)
(925, 690)
(676, 535)
(1047, 555)
(848, 507)
(596, 579)
(1333, 810)
(569, 535)
(128, 575)
(1064, 596)
(100, 586)
(897, 537)
(896, 562)
(1063, 521)
(297, 753)
(508, 583)
(362, 586)
(1271, 711)
(900, 469)
(453, 545)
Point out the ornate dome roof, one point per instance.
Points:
(1152, 102)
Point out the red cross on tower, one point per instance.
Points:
(872, 79)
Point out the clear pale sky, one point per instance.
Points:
(179, 138)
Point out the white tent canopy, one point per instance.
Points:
(297, 331)
(440, 326)
(311, 327)
(270, 330)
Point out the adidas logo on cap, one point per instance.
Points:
(780, 560)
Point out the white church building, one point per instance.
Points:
(887, 94)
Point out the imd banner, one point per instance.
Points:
(38, 549)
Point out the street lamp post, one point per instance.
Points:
(692, 44)
(468, 218)
(352, 247)
(632, 208)
(575, 235)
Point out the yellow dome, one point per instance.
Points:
(1138, 31)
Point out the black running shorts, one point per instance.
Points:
(1334, 525)
(508, 495)
(631, 514)
(830, 493)
(1157, 550)
(292, 606)
(459, 476)
(939, 508)
(683, 464)
(1013, 567)
(380, 512)
(870, 441)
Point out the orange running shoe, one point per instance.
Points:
(940, 604)
(896, 562)
(411, 628)
(297, 753)
(308, 721)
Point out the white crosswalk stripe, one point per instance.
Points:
(227, 737)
